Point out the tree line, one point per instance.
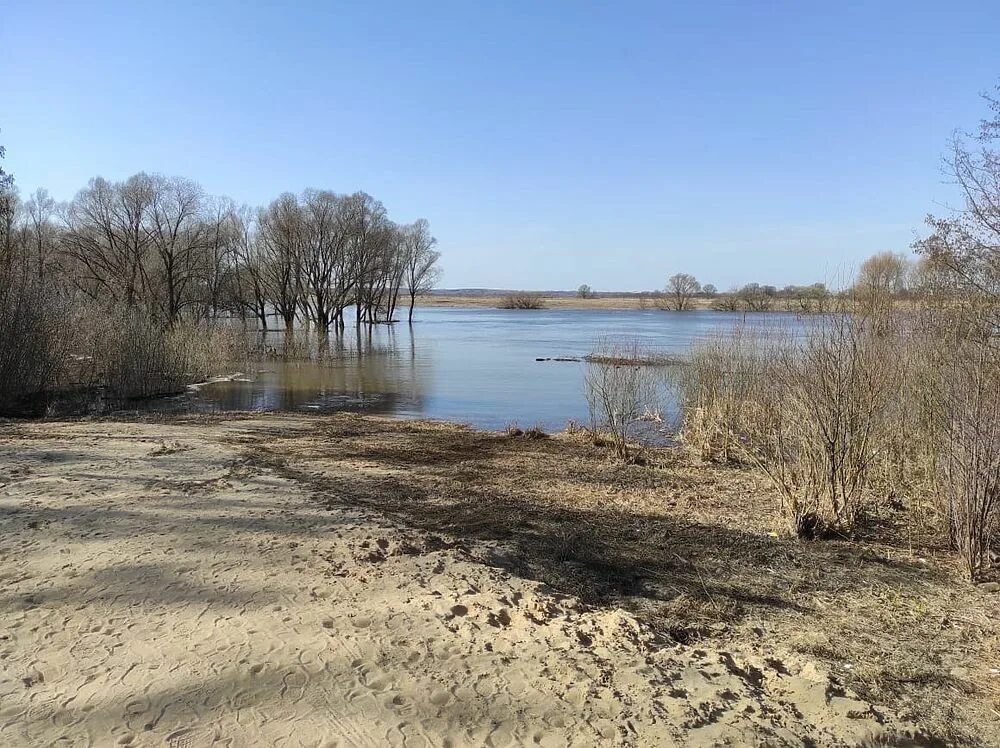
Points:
(163, 245)
(887, 275)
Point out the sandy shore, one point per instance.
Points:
(161, 586)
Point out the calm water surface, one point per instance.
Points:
(475, 366)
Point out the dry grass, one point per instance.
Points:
(690, 547)
(79, 357)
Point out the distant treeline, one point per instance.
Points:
(885, 274)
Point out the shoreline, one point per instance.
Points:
(550, 302)
(514, 561)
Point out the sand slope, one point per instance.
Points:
(156, 588)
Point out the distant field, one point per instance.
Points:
(549, 302)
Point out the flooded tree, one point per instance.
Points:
(681, 290)
(421, 269)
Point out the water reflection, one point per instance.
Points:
(475, 366)
(355, 370)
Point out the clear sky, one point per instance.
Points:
(549, 143)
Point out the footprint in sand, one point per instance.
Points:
(374, 680)
(186, 738)
(440, 698)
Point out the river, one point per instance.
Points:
(475, 366)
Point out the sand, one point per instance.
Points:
(159, 588)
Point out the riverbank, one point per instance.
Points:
(367, 581)
(492, 301)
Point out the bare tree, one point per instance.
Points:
(961, 269)
(421, 271)
(325, 257)
(584, 291)
(881, 279)
(249, 278)
(8, 207)
(681, 289)
(179, 232)
(754, 297)
(220, 257)
(366, 220)
(109, 239)
(281, 241)
(42, 232)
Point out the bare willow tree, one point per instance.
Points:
(248, 290)
(109, 240)
(366, 218)
(882, 278)
(222, 236)
(681, 290)
(753, 297)
(282, 234)
(383, 284)
(42, 232)
(962, 258)
(421, 269)
(326, 257)
(180, 235)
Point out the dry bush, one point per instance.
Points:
(722, 393)
(126, 352)
(53, 347)
(964, 410)
(130, 355)
(201, 350)
(865, 408)
(513, 430)
(522, 300)
(971, 452)
(812, 412)
(619, 390)
(835, 403)
(34, 339)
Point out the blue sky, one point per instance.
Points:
(548, 143)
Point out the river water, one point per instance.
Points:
(474, 366)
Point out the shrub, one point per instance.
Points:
(522, 300)
(619, 390)
(52, 346)
(720, 388)
(813, 413)
(34, 339)
(971, 453)
(139, 358)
